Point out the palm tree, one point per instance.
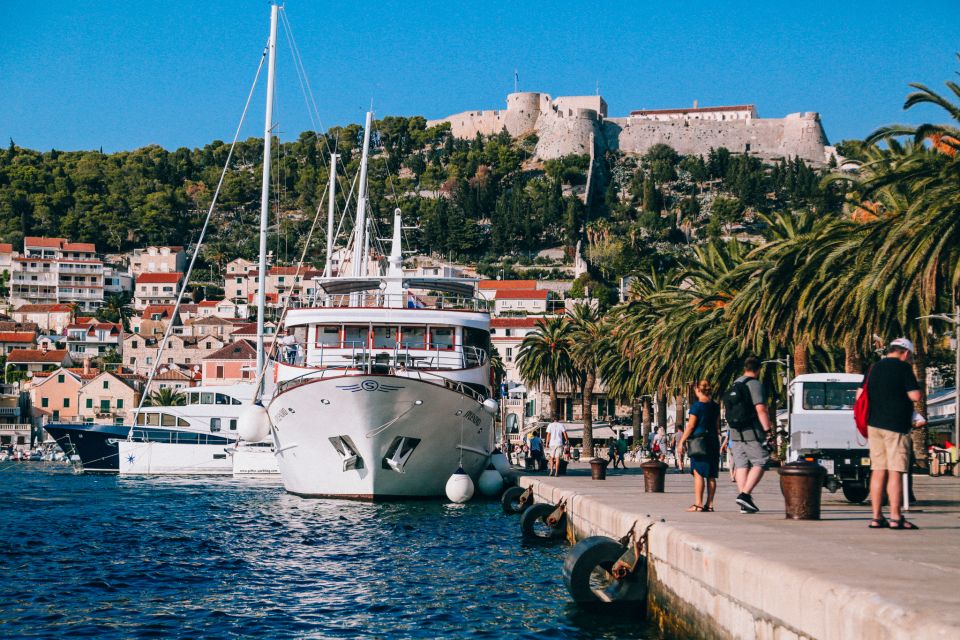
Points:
(588, 341)
(544, 357)
(165, 397)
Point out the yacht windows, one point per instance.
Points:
(355, 337)
(168, 420)
(413, 337)
(233, 424)
(222, 399)
(328, 336)
(153, 419)
(214, 425)
(206, 397)
(441, 337)
(384, 337)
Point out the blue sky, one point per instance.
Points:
(120, 75)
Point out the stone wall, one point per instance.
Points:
(567, 124)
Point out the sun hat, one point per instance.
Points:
(903, 343)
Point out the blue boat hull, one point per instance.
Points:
(94, 444)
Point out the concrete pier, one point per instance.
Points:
(732, 575)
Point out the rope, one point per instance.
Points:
(196, 252)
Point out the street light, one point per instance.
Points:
(953, 319)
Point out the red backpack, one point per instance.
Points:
(861, 409)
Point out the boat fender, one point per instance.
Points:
(254, 423)
(554, 517)
(491, 406)
(516, 500)
(500, 463)
(622, 568)
(490, 482)
(459, 487)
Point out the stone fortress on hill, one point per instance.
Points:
(579, 125)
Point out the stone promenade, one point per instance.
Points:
(732, 575)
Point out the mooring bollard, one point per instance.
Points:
(654, 474)
(802, 484)
(561, 467)
(598, 468)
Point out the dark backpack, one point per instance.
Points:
(738, 405)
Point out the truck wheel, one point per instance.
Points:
(855, 493)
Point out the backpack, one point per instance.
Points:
(738, 405)
(861, 409)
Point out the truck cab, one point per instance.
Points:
(822, 430)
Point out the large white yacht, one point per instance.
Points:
(388, 391)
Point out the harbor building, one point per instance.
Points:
(55, 270)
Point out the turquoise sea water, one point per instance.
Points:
(110, 557)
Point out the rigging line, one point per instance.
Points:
(203, 232)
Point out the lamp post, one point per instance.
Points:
(953, 319)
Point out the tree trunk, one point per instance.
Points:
(921, 436)
(637, 423)
(587, 408)
(662, 410)
(852, 357)
(678, 411)
(801, 363)
(647, 404)
(553, 400)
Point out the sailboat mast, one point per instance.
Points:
(265, 191)
(360, 241)
(331, 193)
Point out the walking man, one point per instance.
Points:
(891, 389)
(536, 451)
(556, 439)
(746, 409)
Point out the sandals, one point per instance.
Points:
(694, 508)
(879, 523)
(903, 524)
(708, 509)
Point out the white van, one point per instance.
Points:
(822, 430)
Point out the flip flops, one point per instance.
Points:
(879, 523)
(694, 508)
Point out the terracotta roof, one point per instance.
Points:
(507, 284)
(158, 278)
(529, 294)
(44, 308)
(87, 247)
(209, 303)
(92, 327)
(164, 310)
(46, 243)
(18, 326)
(737, 107)
(210, 320)
(188, 309)
(271, 297)
(78, 371)
(514, 323)
(251, 329)
(239, 350)
(6, 247)
(17, 336)
(172, 374)
(37, 355)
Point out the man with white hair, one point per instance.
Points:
(891, 389)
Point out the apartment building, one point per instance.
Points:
(48, 317)
(140, 353)
(156, 289)
(89, 338)
(110, 396)
(236, 280)
(54, 270)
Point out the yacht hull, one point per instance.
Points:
(376, 437)
(173, 459)
(97, 445)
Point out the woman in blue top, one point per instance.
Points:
(704, 420)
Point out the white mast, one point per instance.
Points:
(265, 192)
(360, 241)
(331, 193)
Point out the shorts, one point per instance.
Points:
(749, 454)
(889, 450)
(556, 452)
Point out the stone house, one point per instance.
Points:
(236, 283)
(10, 340)
(212, 326)
(171, 378)
(48, 317)
(153, 320)
(110, 396)
(37, 360)
(217, 308)
(156, 289)
(89, 338)
(158, 260)
(532, 301)
(140, 352)
(233, 363)
(506, 334)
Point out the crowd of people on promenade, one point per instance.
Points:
(748, 439)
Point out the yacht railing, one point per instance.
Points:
(377, 299)
(358, 355)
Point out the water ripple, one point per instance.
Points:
(110, 557)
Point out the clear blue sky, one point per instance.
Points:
(81, 75)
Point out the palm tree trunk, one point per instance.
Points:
(921, 436)
(553, 400)
(678, 412)
(852, 357)
(801, 362)
(637, 421)
(662, 410)
(647, 419)
(588, 382)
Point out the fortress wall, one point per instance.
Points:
(767, 138)
(569, 104)
(560, 136)
(469, 123)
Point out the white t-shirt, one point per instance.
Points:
(555, 433)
